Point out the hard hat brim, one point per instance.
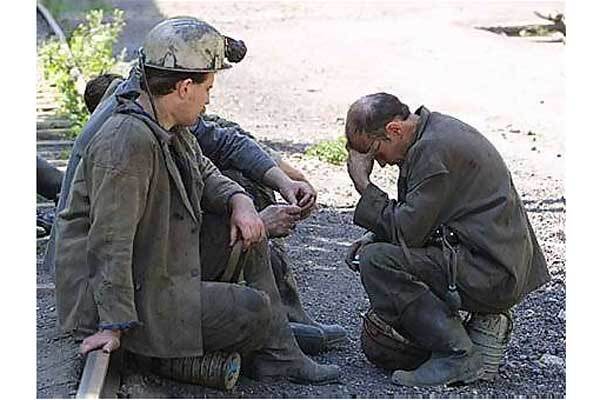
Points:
(202, 70)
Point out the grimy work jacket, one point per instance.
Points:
(227, 147)
(453, 175)
(128, 243)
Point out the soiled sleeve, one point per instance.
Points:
(411, 220)
(118, 172)
(231, 147)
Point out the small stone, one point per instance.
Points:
(562, 315)
(533, 148)
(549, 360)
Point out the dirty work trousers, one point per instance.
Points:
(394, 278)
(236, 317)
(284, 277)
(49, 179)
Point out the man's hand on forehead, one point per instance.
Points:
(360, 166)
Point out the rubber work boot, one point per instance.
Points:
(453, 360)
(281, 356)
(313, 337)
(490, 334)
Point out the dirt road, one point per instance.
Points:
(306, 63)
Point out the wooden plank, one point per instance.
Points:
(54, 143)
(53, 123)
(52, 134)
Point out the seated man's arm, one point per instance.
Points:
(228, 148)
(232, 147)
(218, 189)
(413, 219)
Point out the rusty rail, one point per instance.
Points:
(101, 375)
(94, 373)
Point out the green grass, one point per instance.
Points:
(331, 151)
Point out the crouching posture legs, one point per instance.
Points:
(405, 290)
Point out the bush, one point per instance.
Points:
(91, 52)
(331, 151)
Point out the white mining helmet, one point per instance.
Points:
(184, 44)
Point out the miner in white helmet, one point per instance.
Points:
(128, 264)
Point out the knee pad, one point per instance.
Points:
(386, 348)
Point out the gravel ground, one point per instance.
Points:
(293, 90)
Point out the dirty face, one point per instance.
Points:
(195, 97)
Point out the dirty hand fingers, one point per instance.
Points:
(232, 234)
(306, 198)
(354, 248)
(85, 347)
(112, 345)
(290, 196)
(291, 210)
(245, 237)
(91, 343)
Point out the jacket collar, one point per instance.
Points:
(126, 104)
(424, 115)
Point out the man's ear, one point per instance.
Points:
(183, 87)
(393, 128)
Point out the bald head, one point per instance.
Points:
(370, 114)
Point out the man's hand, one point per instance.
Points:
(360, 166)
(297, 193)
(245, 222)
(280, 220)
(107, 340)
(355, 249)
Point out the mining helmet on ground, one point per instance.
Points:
(388, 349)
(184, 44)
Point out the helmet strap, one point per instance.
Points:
(142, 66)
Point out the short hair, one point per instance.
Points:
(162, 82)
(95, 89)
(370, 114)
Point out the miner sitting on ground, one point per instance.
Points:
(128, 243)
(258, 169)
(457, 238)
